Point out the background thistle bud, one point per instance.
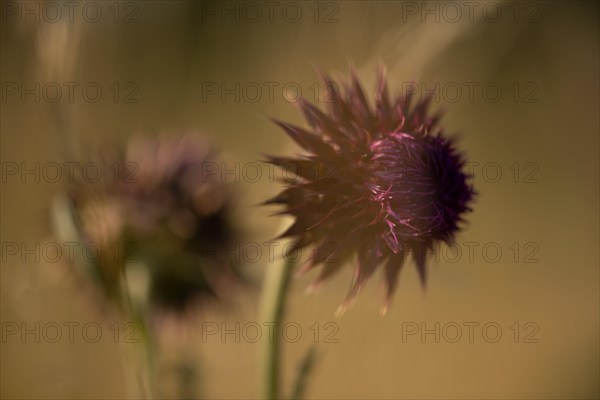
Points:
(380, 181)
(169, 220)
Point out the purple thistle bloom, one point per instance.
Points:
(380, 182)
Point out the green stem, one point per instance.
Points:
(145, 361)
(304, 372)
(277, 282)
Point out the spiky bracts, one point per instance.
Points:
(380, 181)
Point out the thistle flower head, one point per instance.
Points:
(380, 181)
(168, 218)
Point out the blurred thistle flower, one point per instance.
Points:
(161, 224)
(380, 182)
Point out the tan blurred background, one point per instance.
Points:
(543, 55)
